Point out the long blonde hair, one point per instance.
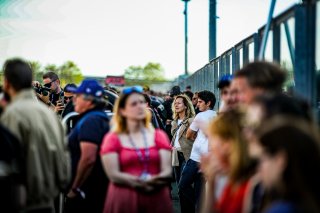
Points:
(187, 102)
(119, 122)
(229, 126)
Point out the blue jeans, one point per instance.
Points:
(178, 169)
(190, 187)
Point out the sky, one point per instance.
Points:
(104, 37)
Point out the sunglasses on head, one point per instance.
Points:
(49, 84)
(130, 90)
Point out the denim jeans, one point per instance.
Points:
(190, 186)
(178, 169)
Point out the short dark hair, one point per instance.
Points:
(262, 74)
(175, 91)
(189, 94)
(207, 96)
(282, 104)
(18, 73)
(148, 99)
(53, 76)
(69, 87)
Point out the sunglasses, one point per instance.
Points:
(130, 90)
(68, 98)
(48, 85)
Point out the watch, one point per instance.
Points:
(79, 192)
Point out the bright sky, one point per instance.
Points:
(104, 37)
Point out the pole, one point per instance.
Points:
(266, 30)
(185, 12)
(212, 29)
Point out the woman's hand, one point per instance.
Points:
(158, 181)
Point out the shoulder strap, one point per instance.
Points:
(176, 129)
(98, 113)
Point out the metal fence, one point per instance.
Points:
(291, 42)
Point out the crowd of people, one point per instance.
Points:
(251, 148)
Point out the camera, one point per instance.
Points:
(41, 89)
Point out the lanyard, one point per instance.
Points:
(143, 160)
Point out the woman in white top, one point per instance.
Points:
(183, 114)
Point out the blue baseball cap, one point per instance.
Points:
(224, 81)
(89, 87)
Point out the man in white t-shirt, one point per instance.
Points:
(191, 180)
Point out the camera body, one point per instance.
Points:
(41, 89)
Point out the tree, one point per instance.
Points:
(37, 70)
(69, 72)
(150, 73)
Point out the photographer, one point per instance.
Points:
(51, 82)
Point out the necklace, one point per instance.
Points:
(144, 160)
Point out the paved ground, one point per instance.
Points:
(175, 198)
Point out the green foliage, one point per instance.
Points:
(150, 73)
(68, 72)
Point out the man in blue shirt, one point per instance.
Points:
(89, 182)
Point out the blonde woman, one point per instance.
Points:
(136, 158)
(228, 156)
(183, 114)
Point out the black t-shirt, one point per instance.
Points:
(168, 107)
(55, 97)
(91, 130)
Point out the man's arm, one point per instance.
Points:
(85, 165)
(191, 135)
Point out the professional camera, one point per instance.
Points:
(41, 89)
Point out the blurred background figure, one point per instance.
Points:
(11, 167)
(183, 115)
(136, 158)
(189, 94)
(289, 165)
(154, 120)
(188, 88)
(195, 102)
(225, 93)
(175, 90)
(67, 100)
(46, 163)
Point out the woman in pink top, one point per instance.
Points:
(136, 158)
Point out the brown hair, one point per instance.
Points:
(262, 74)
(53, 76)
(300, 142)
(229, 126)
(187, 102)
(119, 121)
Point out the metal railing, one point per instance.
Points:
(291, 43)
